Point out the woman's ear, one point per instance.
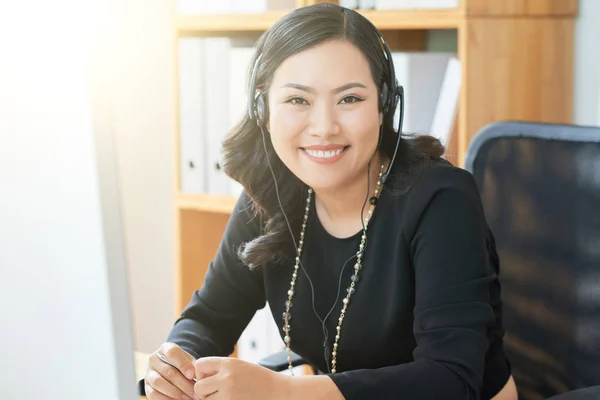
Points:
(380, 118)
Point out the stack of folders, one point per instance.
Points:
(233, 6)
(213, 75)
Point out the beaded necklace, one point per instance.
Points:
(353, 280)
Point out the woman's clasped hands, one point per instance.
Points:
(174, 374)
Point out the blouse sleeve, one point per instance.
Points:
(219, 311)
(446, 234)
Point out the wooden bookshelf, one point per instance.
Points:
(517, 63)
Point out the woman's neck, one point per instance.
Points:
(339, 210)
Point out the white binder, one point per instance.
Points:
(192, 146)
(216, 93)
(445, 111)
(421, 74)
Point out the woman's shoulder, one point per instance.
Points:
(435, 177)
(440, 186)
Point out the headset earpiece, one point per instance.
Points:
(260, 109)
(383, 98)
(257, 109)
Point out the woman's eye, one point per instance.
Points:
(297, 101)
(350, 100)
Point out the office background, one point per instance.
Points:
(144, 130)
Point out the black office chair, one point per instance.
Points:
(540, 186)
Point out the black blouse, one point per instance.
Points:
(425, 321)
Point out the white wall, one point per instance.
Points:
(65, 330)
(143, 115)
(587, 64)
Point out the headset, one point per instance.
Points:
(389, 95)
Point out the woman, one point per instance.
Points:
(387, 283)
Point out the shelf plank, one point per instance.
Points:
(206, 202)
(215, 24)
(414, 19)
(225, 24)
(520, 8)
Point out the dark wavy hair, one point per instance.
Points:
(244, 158)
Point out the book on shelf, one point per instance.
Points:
(216, 92)
(192, 154)
(415, 4)
(421, 74)
(447, 104)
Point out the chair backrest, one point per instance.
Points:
(540, 187)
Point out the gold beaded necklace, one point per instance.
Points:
(354, 279)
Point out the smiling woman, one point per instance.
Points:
(372, 252)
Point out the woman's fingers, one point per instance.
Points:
(169, 380)
(207, 386)
(179, 358)
(153, 394)
(160, 384)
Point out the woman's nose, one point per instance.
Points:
(323, 120)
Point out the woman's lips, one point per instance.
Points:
(325, 154)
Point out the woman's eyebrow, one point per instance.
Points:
(339, 89)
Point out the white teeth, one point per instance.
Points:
(326, 154)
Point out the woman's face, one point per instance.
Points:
(323, 114)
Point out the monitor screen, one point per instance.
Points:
(65, 319)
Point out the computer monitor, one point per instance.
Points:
(65, 323)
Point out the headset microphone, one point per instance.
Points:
(400, 121)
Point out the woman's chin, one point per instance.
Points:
(322, 183)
